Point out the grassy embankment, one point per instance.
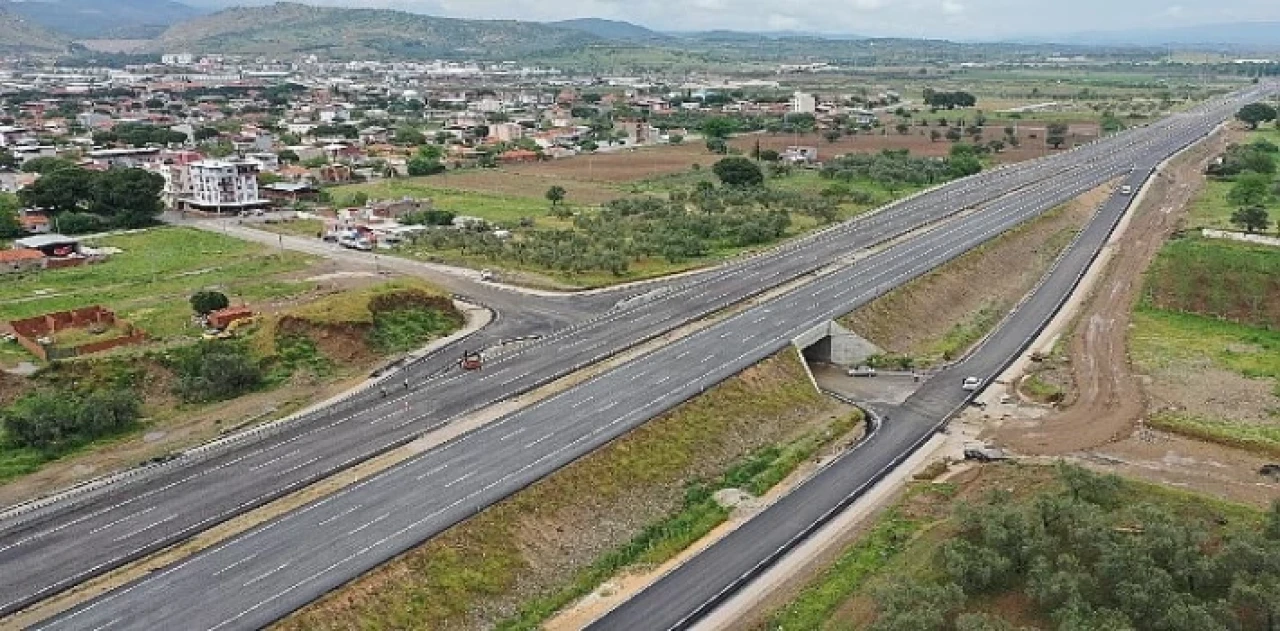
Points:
(298, 355)
(915, 543)
(938, 317)
(1214, 304)
(635, 502)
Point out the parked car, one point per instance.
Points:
(983, 452)
(862, 371)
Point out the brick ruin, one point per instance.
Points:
(31, 330)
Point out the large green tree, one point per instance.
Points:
(130, 198)
(1250, 189)
(1251, 219)
(1255, 114)
(10, 227)
(738, 172)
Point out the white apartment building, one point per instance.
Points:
(222, 186)
(803, 103)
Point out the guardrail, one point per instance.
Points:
(26, 512)
(897, 461)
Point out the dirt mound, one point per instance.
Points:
(343, 343)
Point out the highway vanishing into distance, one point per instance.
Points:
(681, 597)
(255, 578)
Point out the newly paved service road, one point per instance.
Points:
(695, 588)
(255, 578)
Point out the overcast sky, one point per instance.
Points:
(955, 19)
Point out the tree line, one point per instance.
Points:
(87, 201)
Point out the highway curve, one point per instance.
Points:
(257, 577)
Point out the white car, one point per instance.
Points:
(971, 383)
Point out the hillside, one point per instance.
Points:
(610, 29)
(95, 18)
(289, 28)
(17, 34)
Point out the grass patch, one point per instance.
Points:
(149, 283)
(1041, 390)
(815, 605)
(1222, 279)
(965, 334)
(638, 499)
(502, 209)
(352, 307)
(405, 329)
(293, 227)
(1253, 437)
(1163, 338)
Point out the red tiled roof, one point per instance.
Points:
(13, 256)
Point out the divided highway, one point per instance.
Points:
(680, 598)
(255, 578)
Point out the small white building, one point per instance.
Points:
(803, 103)
(223, 186)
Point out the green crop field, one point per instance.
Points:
(1224, 279)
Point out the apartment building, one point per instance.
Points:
(222, 186)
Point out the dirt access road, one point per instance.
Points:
(1107, 398)
(1102, 419)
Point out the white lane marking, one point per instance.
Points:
(147, 527)
(339, 515)
(105, 625)
(237, 563)
(432, 472)
(262, 576)
(274, 460)
(537, 442)
(298, 466)
(513, 434)
(122, 519)
(583, 402)
(464, 477)
(366, 525)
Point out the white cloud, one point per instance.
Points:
(952, 7)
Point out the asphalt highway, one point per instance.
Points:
(679, 598)
(257, 577)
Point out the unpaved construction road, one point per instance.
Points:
(1108, 398)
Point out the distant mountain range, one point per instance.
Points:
(91, 19)
(288, 28)
(611, 30)
(18, 34)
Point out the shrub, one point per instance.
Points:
(58, 421)
(215, 370)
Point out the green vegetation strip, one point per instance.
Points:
(699, 515)
(859, 562)
(1262, 439)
